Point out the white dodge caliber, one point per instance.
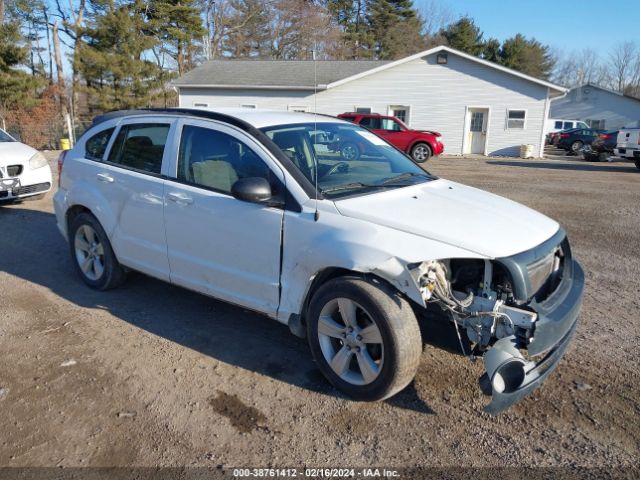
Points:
(258, 209)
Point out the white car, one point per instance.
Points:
(257, 208)
(24, 172)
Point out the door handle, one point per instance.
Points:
(106, 178)
(180, 198)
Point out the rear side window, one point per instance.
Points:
(370, 122)
(140, 146)
(96, 146)
(568, 125)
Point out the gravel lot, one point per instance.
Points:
(154, 375)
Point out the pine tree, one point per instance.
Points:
(17, 87)
(395, 28)
(178, 27)
(465, 36)
(113, 58)
(527, 56)
(356, 36)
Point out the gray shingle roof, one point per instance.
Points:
(272, 73)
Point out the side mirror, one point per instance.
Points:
(252, 189)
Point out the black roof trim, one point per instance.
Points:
(285, 161)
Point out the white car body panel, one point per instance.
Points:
(16, 153)
(628, 143)
(455, 214)
(245, 270)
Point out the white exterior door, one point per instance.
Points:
(130, 179)
(218, 245)
(477, 130)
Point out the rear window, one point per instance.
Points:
(95, 147)
(140, 146)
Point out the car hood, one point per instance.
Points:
(12, 152)
(454, 214)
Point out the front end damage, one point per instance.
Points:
(519, 313)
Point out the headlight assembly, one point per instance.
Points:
(37, 161)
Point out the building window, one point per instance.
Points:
(298, 108)
(201, 105)
(516, 118)
(362, 109)
(596, 124)
(401, 112)
(248, 105)
(558, 125)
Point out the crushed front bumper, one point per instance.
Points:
(555, 327)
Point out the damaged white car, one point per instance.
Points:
(259, 209)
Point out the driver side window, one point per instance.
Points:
(215, 160)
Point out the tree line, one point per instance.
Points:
(64, 61)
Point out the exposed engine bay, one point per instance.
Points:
(479, 298)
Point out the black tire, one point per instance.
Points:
(397, 325)
(576, 146)
(637, 162)
(113, 274)
(421, 152)
(349, 151)
(589, 157)
(602, 157)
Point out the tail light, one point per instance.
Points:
(603, 136)
(564, 135)
(60, 163)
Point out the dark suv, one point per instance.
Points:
(420, 144)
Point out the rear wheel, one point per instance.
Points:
(349, 151)
(92, 254)
(421, 152)
(364, 337)
(576, 146)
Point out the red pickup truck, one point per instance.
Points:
(420, 144)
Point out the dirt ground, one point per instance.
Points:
(154, 375)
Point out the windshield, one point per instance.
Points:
(4, 137)
(350, 160)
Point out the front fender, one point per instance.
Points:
(336, 241)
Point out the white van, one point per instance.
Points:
(553, 125)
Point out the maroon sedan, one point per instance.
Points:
(420, 144)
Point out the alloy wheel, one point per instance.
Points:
(89, 252)
(350, 341)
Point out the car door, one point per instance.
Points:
(130, 181)
(218, 245)
(393, 132)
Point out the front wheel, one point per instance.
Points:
(421, 152)
(92, 254)
(364, 337)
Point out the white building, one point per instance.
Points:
(477, 105)
(598, 107)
